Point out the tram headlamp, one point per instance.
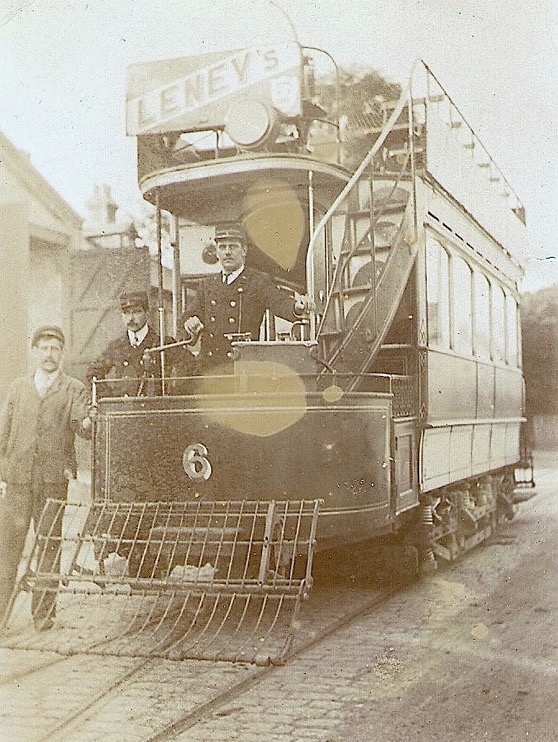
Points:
(249, 123)
(209, 254)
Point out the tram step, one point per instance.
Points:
(523, 493)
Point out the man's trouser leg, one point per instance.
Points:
(15, 516)
(48, 527)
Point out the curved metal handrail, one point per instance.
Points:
(351, 184)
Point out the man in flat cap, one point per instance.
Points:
(234, 300)
(125, 359)
(38, 422)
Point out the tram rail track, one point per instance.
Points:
(74, 716)
(187, 721)
(91, 710)
(58, 659)
(321, 617)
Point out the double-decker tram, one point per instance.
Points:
(388, 416)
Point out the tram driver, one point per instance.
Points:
(234, 301)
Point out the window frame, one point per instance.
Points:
(443, 338)
(499, 349)
(484, 354)
(462, 345)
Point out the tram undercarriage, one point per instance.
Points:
(459, 517)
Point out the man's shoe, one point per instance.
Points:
(43, 624)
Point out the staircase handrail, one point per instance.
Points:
(352, 183)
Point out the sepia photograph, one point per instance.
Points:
(279, 396)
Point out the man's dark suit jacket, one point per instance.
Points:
(121, 361)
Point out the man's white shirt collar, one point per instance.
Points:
(137, 338)
(44, 380)
(230, 277)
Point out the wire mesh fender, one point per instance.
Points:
(201, 580)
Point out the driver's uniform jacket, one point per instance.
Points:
(127, 372)
(233, 308)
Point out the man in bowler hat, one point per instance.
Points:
(38, 422)
(234, 300)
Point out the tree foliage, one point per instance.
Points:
(360, 92)
(539, 324)
(361, 99)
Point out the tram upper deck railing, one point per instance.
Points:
(451, 154)
(458, 160)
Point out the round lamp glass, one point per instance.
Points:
(248, 122)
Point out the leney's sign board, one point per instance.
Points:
(195, 92)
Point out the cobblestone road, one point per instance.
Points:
(469, 654)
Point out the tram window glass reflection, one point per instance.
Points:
(482, 316)
(498, 325)
(437, 289)
(462, 339)
(512, 330)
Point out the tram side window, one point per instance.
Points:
(498, 325)
(512, 334)
(437, 291)
(462, 339)
(481, 318)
